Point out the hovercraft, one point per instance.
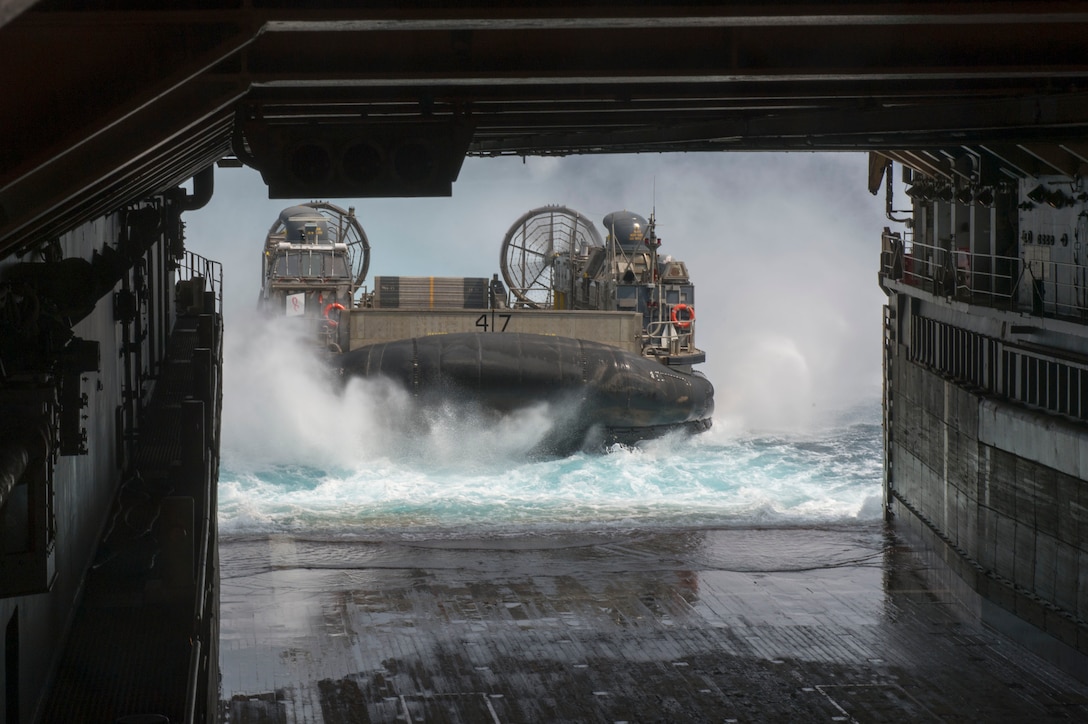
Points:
(604, 327)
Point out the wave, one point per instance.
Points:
(302, 456)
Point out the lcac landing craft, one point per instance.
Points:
(604, 328)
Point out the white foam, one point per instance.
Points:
(304, 453)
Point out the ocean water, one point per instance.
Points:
(305, 456)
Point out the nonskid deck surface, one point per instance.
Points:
(745, 625)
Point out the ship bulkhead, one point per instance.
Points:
(986, 398)
(110, 361)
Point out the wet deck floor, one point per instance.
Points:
(791, 625)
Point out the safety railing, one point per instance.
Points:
(1031, 377)
(1059, 288)
(201, 276)
(668, 336)
(1036, 286)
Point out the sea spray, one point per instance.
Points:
(306, 454)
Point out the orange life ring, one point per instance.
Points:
(682, 323)
(334, 305)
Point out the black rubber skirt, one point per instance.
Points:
(617, 395)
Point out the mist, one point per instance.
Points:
(287, 407)
(782, 249)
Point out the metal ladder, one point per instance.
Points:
(888, 404)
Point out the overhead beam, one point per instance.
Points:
(100, 174)
(122, 89)
(102, 69)
(528, 56)
(1056, 158)
(1014, 156)
(921, 127)
(1077, 149)
(921, 162)
(10, 9)
(329, 17)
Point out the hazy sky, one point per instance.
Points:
(783, 250)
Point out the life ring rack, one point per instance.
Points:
(335, 305)
(689, 312)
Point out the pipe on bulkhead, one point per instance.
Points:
(203, 187)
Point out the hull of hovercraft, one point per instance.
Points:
(606, 394)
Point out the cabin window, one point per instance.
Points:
(339, 267)
(287, 265)
(293, 261)
(307, 267)
(311, 264)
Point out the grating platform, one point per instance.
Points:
(744, 625)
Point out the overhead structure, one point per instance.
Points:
(330, 99)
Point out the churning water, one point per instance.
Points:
(304, 456)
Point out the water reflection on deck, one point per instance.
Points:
(830, 624)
